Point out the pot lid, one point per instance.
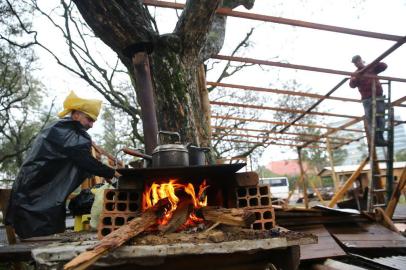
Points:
(170, 147)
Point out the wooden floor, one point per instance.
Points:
(367, 235)
(326, 246)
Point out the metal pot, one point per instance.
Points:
(164, 155)
(197, 155)
(170, 155)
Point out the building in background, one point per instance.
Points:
(286, 167)
(357, 151)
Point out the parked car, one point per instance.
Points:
(279, 186)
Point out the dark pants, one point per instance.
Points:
(380, 109)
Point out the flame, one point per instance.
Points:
(156, 192)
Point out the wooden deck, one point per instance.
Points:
(326, 247)
(367, 236)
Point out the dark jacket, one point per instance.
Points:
(364, 83)
(58, 162)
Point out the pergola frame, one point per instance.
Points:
(259, 17)
(267, 140)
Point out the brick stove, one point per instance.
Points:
(227, 189)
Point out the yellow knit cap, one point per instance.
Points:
(91, 107)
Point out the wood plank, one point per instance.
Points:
(326, 247)
(375, 244)
(368, 235)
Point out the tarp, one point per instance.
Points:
(58, 162)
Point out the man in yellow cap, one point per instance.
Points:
(57, 163)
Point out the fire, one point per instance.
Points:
(174, 191)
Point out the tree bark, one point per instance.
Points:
(175, 59)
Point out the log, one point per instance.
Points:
(118, 237)
(230, 216)
(179, 216)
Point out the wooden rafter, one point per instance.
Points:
(279, 20)
(269, 143)
(262, 137)
(294, 66)
(228, 12)
(251, 106)
(342, 140)
(333, 130)
(280, 123)
(280, 91)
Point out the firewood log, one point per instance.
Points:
(118, 237)
(179, 216)
(228, 216)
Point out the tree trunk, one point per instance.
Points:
(175, 59)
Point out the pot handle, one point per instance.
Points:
(172, 133)
(136, 153)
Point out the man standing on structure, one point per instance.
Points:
(365, 85)
(57, 163)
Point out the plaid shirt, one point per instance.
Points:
(364, 83)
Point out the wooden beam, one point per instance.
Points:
(399, 101)
(333, 130)
(346, 143)
(317, 26)
(279, 20)
(251, 106)
(317, 193)
(261, 137)
(280, 91)
(340, 194)
(309, 110)
(346, 140)
(299, 67)
(331, 160)
(279, 122)
(265, 144)
(304, 186)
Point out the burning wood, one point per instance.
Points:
(174, 191)
(179, 217)
(119, 237)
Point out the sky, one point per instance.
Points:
(280, 43)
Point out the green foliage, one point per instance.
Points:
(400, 155)
(117, 132)
(110, 138)
(22, 113)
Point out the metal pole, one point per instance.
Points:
(146, 98)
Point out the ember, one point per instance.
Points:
(175, 192)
